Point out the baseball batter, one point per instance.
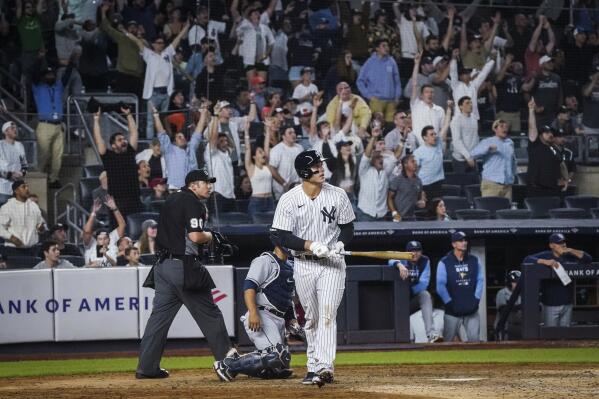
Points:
(315, 220)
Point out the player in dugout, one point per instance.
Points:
(556, 298)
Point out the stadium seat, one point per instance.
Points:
(522, 178)
(87, 185)
(492, 204)
(595, 213)
(472, 214)
(92, 170)
(263, 217)
(586, 202)
(472, 191)
(156, 205)
(451, 190)
(231, 218)
(10, 252)
(568, 213)
(135, 220)
(540, 206)
(452, 204)
(4, 198)
(513, 214)
(147, 259)
(22, 262)
(518, 194)
(461, 179)
(78, 261)
(242, 205)
(145, 192)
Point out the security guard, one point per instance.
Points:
(179, 278)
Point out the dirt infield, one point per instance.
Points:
(424, 381)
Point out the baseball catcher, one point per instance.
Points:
(268, 295)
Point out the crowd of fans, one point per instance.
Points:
(386, 91)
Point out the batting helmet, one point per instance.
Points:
(304, 162)
(513, 276)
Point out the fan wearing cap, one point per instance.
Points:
(58, 233)
(206, 28)
(129, 65)
(374, 182)
(159, 193)
(305, 90)
(155, 159)
(100, 245)
(555, 297)
(257, 42)
(380, 28)
(418, 272)
(547, 92)
(232, 126)
(48, 94)
(590, 94)
(13, 161)
(345, 100)
(474, 49)
(427, 67)
(355, 27)
(546, 170)
(460, 284)
(379, 81)
(580, 53)
(565, 124)
(179, 152)
(537, 47)
(159, 79)
(147, 241)
(21, 219)
(179, 278)
(513, 327)
(321, 139)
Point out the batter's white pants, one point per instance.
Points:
(320, 286)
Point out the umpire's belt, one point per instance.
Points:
(273, 311)
(174, 257)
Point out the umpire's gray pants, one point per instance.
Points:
(557, 316)
(452, 324)
(424, 302)
(169, 297)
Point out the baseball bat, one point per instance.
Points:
(381, 254)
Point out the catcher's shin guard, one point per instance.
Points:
(272, 362)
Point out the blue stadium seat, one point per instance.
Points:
(78, 261)
(92, 170)
(513, 214)
(22, 262)
(86, 186)
(451, 190)
(147, 259)
(263, 217)
(452, 204)
(540, 206)
(472, 214)
(492, 204)
(231, 218)
(586, 202)
(472, 191)
(568, 213)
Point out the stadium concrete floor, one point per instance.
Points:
(421, 381)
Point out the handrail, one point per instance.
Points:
(15, 100)
(116, 121)
(87, 131)
(6, 73)
(57, 193)
(16, 119)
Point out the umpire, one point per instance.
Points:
(179, 277)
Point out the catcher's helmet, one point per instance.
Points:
(513, 276)
(304, 162)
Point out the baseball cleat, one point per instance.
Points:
(222, 371)
(308, 378)
(326, 375)
(434, 337)
(317, 381)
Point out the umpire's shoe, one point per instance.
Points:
(162, 373)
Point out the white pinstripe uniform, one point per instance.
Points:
(319, 283)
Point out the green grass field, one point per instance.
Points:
(115, 365)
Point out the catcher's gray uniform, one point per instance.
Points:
(273, 281)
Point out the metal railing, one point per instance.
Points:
(6, 76)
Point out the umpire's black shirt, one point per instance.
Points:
(181, 214)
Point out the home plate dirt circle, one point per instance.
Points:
(539, 381)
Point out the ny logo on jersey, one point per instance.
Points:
(328, 216)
